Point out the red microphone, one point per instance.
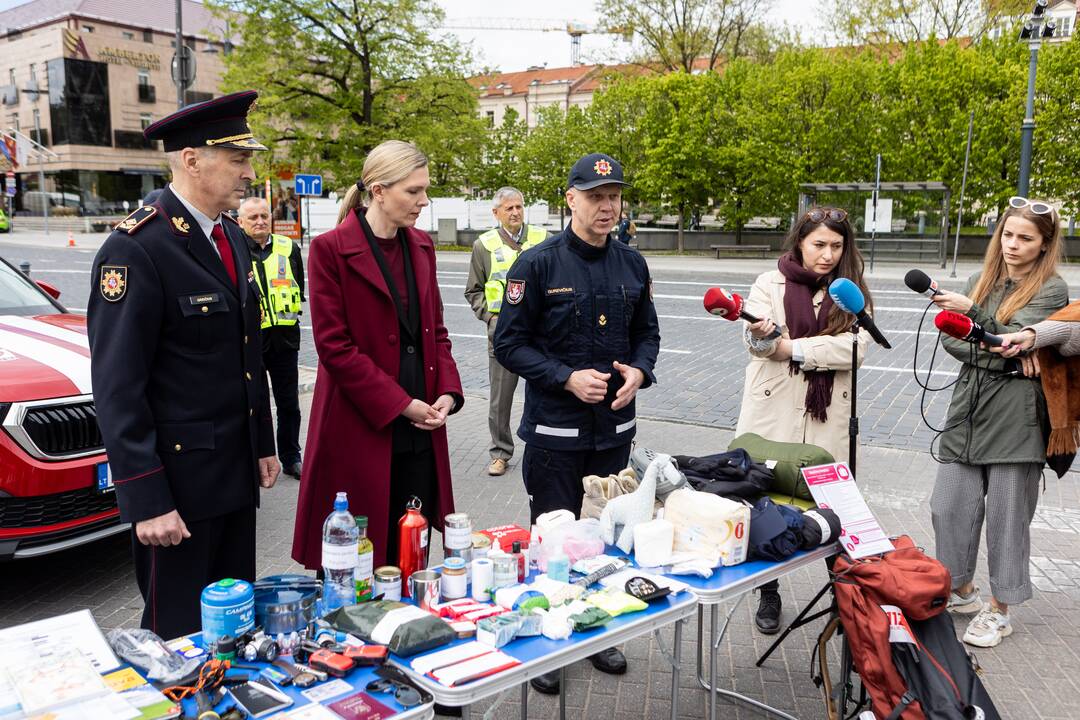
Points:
(964, 328)
(719, 301)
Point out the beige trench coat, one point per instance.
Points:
(774, 401)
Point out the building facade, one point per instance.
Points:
(83, 78)
(528, 91)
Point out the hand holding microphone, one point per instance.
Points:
(923, 284)
(719, 301)
(849, 298)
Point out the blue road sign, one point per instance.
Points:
(308, 184)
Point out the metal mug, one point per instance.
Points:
(424, 587)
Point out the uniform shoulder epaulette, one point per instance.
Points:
(230, 217)
(136, 220)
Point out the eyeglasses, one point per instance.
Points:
(818, 215)
(406, 695)
(1039, 208)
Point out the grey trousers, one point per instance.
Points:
(503, 384)
(1006, 496)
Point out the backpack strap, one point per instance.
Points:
(897, 711)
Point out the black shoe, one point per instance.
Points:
(447, 711)
(294, 469)
(609, 661)
(548, 683)
(768, 612)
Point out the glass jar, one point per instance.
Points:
(388, 582)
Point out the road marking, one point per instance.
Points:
(54, 271)
(922, 372)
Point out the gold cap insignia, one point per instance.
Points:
(181, 224)
(602, 167)
(113, 282)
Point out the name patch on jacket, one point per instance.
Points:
(515, 291)
(560, 291)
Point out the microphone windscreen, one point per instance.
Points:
(954, 324)
(917, 280)
(847, 296)
(719, 301)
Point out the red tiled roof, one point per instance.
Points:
(582, 78)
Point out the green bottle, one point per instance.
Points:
(364, 573)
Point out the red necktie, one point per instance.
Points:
(225, 250)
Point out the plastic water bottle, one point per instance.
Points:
(340, 538)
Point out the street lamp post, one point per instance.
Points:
(1035, 29)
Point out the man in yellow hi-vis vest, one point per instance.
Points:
(493, 254)
(279, 271)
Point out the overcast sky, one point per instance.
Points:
(510, 50)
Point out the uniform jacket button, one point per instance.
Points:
(391, 338)
(177, 447)
(205, 309)
(245, 339)
(251, 412)
(247, 375)
(431, 368)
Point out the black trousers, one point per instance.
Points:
(281, 367)
(553, 477)
(411, 473)
(171, 579)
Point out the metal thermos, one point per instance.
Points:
(412, 541)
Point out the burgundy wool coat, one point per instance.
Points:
(357, 396)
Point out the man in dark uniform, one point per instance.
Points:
(578, 323)
(176, 363)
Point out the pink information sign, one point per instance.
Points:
(833, 486)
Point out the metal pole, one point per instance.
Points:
(41, 174)
(1027, 128)
(963, 188)
(873, 222)
(181, 64)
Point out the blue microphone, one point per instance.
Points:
(849, 298)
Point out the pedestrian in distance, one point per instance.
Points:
(279, 273)
(494, 252)
(176, 363)
(994, 445)
(578, 323)
(798, 385)
(386, 380)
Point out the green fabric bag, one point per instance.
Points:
(785, 460)
(402, 627)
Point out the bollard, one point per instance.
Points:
(24, 268)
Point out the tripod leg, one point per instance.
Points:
(801, 619)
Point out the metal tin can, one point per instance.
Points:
(454, 579)
(388, 582)
(457, 537)
(228, 608)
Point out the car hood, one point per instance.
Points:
(44, 356)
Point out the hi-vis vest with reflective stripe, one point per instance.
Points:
(502, 258)
(281, 301)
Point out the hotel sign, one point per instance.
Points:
(119, 56)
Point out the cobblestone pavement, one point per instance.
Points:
(1031, 675)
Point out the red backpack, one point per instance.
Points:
(905, 578)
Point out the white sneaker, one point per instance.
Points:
(965, 604)
(988, 628)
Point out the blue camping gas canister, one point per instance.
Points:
(228, 608)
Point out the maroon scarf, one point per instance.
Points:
(799, 289)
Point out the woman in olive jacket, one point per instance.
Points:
(994, 446)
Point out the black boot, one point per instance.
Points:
(548, 683)
(609, 661)
(768, 612)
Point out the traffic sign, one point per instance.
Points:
(308, 184)
(183, 71)
(10, 184)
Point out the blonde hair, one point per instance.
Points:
(387, 163)
(994, 272)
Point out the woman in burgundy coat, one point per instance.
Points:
(387, 380)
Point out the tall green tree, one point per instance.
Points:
(500, 163)
(1056, 164)
(903, 21)
(558, 139)
(336, 77)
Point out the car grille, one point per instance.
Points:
(19, 512)
(61, 430)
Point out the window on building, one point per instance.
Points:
(33, 73)
(1065, 27)
(491, 118)
(37, 118)
(11, 76)
(79, 102)
(87, 29)
(128, 35)
(148, 36)
(145, 120)
(144, 77)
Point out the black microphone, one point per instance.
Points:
(849, 298)
(964, 328)
(921, 283)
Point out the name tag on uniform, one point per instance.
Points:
(560, 291)
(204, 299)
(279, 283)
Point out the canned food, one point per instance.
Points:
(388, 582)
(454, 579)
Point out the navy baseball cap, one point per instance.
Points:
(221, 122)
(595, 170)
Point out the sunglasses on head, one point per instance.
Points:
(818, 215)
(406, 695)
(1039, 208)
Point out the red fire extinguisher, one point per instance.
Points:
(412, 542)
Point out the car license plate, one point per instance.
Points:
(104, 478)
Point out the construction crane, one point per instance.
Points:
(573, 28)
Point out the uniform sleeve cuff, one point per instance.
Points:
(144, 496)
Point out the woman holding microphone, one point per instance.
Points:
(387, 380)
(994, 444)
(797, 385)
